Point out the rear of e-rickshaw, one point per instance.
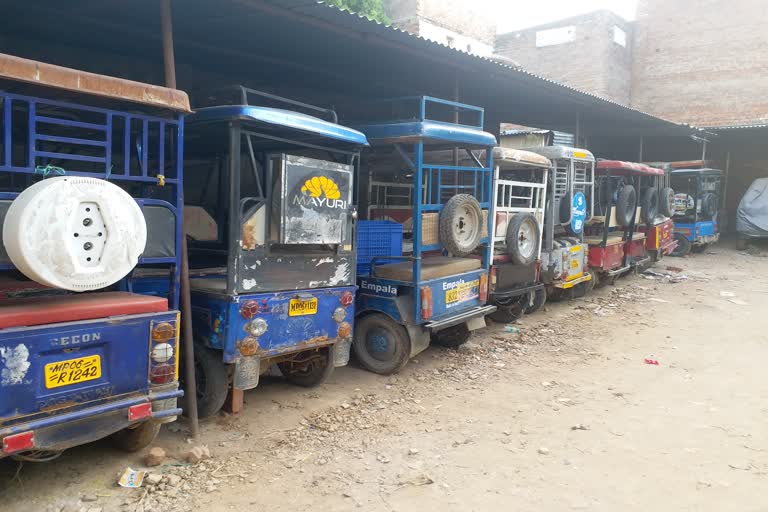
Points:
(91, 172)
(440, 288)
(660, 239)
(617, 234)
(569, 206)
(698, 199)
(269, 210)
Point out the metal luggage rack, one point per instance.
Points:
(515, 196)
(138, 151)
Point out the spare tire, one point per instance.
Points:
(564, 213)
(650, 205)
(626, 206)
(74, 233)
(709, 204)
(667, 202)
(461, 225)
(522, 238)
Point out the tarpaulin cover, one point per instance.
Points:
(752, 215)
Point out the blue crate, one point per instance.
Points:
(377, 238)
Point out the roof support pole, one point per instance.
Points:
(640, 153)
(190, 391)
(578, 129)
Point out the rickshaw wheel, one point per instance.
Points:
(452, 337)
(539, 299)
(309, 368)
(136, 438)
(211, 381)
(683, 246)
(506, 313)
(698, 249)
(381, 345)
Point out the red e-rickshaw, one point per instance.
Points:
(616, 243)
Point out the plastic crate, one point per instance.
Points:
(377, 238)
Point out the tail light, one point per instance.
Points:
(426, 302)
(257, 327)
(249, 309)
(19, 442)
(345, 329)
(347, 298)
(339, 314)
(483, 287)
(248, 346)
(493, 276)
(164, 351)
(698, 230)
(538, 271)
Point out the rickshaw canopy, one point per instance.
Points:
(620, 168)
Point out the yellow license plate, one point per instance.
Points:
(72, 371)
(463, 292)
(301, 307)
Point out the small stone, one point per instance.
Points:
(546, 384)
(86, 498)
(95, 509)
(345, 405)
(580, 426)
(198, 454)
(413, 451)
(524, 431)
(174, 480)
(154, 457)
(153, 479)
(383, 459)
(544, 451)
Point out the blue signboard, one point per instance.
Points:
(579, 215)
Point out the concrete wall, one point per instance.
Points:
(469, 27)
(591, 60)
(703, 62)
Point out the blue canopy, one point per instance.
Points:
(428, 131)
(279, 122)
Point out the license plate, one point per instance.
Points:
(72, 371)
(301, 307)
(463, 292)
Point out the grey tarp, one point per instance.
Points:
(752, 215)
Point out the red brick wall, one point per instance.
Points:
(703, 62)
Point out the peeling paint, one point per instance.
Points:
(249, 284)
(341, 275)
(324, 260)
(15, 364)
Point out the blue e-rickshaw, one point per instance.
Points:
(90, 187)
(697, 207)
(439, 287)
(270, 216)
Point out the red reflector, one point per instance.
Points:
(249, 309)
(426, 302)
(139, 412)
(347, 298)
(19, 442)
(483, 287)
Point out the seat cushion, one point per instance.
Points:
(71, 308)
(431, 268)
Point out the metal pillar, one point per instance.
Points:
(190, 386)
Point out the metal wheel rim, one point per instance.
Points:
(466, 226)
(525, 238)
(379, 344)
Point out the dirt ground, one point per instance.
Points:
(561, 414)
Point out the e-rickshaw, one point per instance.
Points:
(569, 206)
(660, 240)
(616, 243)
(270, 214)
(90, 193)
(697, 207)
(440, 288)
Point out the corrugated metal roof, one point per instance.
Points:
(359, 23)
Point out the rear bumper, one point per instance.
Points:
(464, 316)
(62, 431)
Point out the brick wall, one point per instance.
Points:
(592, 61)
(703, 62)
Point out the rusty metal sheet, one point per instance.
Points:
(49, 75)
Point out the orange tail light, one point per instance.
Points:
(483, 287)
(426, 302)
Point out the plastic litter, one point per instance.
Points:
(652, 361)
(131, 478)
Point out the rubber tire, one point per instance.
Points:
(137, 438)
(626, 206)
(683, 246)
(650, 205)
(539, 299)
(452, 337)
(212, 365)
(398, 335)
(508, 313)
(667, 202)
(447, 215)
(699, 248)
(315, 377)
(709, 204)
(564, 214)
(512, 238)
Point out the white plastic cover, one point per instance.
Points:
(752, 214)
(74, 233)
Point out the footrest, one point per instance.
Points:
(439, 325)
